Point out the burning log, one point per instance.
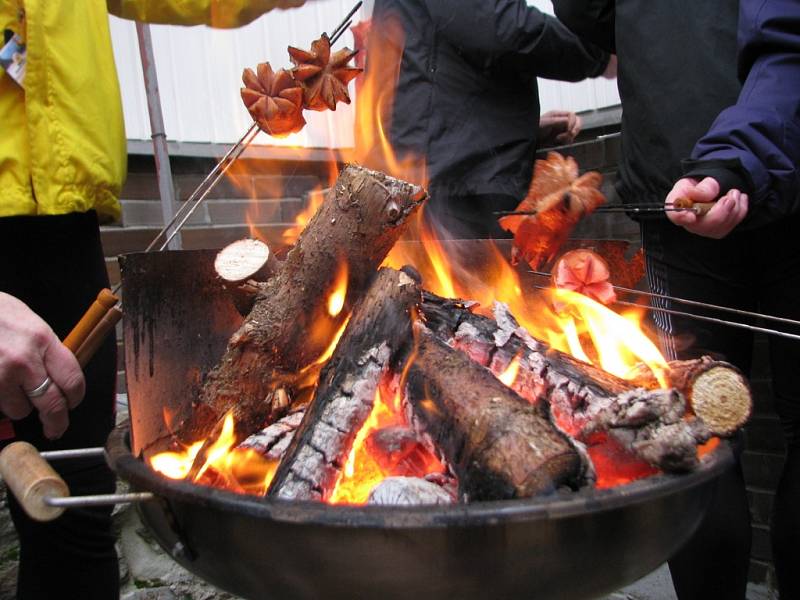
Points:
(292, 324)
(498, 444)
(717, 391)
(272, 441)
(583, 400)
(380, 326)
(242, 266)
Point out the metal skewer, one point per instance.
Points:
(737, 311)
(679, 313)
(204, 188)
(612, 209)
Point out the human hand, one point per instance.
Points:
(559, 127)
(610, 71)
(718, 222)
(30, 355)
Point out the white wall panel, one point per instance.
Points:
(199, 72)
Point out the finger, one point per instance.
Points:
(705, 191)
(65, 372)
(51, 404)
(53, 412)
(577, 126)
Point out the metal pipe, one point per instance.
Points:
(166, 188)
(76, 453)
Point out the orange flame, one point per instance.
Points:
(362, 472)
(339, 293)
(240, 470)
(619, 342)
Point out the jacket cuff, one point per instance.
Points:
(729, 173)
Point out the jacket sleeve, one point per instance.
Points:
(216, 13)
(591, 20)
(758, 138)
(542, 45)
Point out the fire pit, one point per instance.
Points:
(567, 545)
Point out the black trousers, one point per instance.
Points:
(759, 271)
(55, 265)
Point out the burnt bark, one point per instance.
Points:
(289, 327)
(582, 400)
(497, 444)
(379, 329)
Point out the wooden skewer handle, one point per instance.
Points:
(95, 338)
(701, 208)
(99, 308)
(31, 479)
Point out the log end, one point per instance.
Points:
(721, 397)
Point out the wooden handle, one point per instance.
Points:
(95, 338)
(104, 302)
(31, 479)
(700, 208)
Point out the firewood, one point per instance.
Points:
(272, 441)
(716, 391)
(378, 330)
(245, 259)
(581, 399)
(497, 444)
(242, 266)
(290, 327)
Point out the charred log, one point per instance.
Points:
(717, 391)
(272, 441)
(581, 399)
(498, 445)
(378, 330)
(289, 326)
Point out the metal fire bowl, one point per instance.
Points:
(566, 546)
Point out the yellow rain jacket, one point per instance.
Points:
(62, 138)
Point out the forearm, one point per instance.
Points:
(539, 44)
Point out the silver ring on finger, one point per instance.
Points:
(40, 389)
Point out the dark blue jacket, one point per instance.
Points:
(754, 145)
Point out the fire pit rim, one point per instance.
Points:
(555, 506)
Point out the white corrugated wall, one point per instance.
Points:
(199, 72)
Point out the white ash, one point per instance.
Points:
(409, 491)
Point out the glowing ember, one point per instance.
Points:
(239, 470)
(510, 373)
(362, 471)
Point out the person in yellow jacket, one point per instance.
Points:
(62, 165)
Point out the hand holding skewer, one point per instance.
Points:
(716, 219)
(37, 372)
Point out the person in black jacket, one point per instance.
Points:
(467, 100)
(677, 75)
